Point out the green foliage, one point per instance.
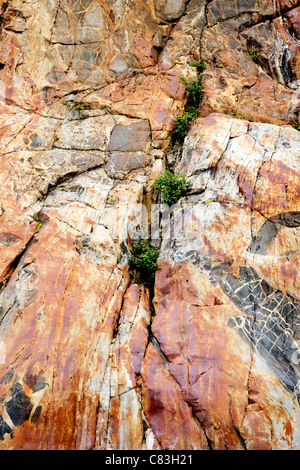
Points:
(183, 124)
(37, 229)
(253, 54)
(171, 186)
(199, 64)
(235, 116)
(36, 217)
(194, 93)
(72, 105)
(143, 259)
(296, 126)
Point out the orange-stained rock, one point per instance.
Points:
(126, 421)
(252, 63)
(63, 318)
(213, 366)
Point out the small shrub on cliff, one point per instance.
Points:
(194, 92)
(171, 186)
(194, 95)
(236, 116)
(296, 126)
(143, 260)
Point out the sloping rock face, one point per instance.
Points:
(89, 359)
(228, 288)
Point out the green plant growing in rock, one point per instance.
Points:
(144, 261)
(38, 227)
(236, 116)
(253, 54)
(199, 64)
(37, 218)
(72, 105)
(296, 126)
(183, 124)
(171, 186)
(194, 93)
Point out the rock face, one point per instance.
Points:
(90, 359)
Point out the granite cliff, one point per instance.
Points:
(89, 94)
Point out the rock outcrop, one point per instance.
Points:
(89, 94)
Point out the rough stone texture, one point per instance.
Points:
(228, 288)
(89, 359)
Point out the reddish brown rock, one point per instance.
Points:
(166, 408)
(293, 18)
(252, 64)
(228, 305)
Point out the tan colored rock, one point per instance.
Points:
(265, 89)
(219, 291)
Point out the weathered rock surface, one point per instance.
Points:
(228, 288)
(89, 92)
